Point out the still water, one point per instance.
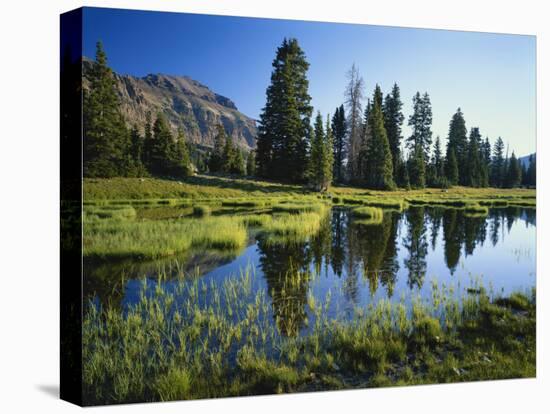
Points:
(350, 264)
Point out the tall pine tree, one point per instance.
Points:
(215, 163)
(393, 121)
(497, 178)
(163, 147)
(316, 158)
(284, 129)
(458, 143)
(251, 164)
(421, 124)
(417, 168)
(328, 155)
(339, 128)
(474, 169)
(451, 167)
(380, 164)
(513, 176)
(106, 146)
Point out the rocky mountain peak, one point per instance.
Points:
(187, 104)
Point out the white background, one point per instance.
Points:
(29, 188)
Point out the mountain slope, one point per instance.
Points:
(186, 103)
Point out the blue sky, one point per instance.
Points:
(490, 76)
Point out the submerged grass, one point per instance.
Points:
(175, 344)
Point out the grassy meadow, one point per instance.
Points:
(240, 192)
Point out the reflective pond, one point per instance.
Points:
(349, 263)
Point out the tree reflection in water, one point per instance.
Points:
(357, 250)
(365, 255)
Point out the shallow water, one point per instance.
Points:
(350, 264)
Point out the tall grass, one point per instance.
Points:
(197, 339)
(109, 212)
(294, 227)
(296, 208)
(373, 213)
(155, 239)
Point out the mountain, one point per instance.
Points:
(186, 103)
(525, 160)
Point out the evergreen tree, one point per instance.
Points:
(380, 165)
(136, 151)
(238, 165)
(439, 165)
(321, 160)
(328, 155)
(498, 164)
(147, 142)
(514, 172)
(362, 163)
(215, 163)
(180, 164)
(417, 168)
(317, 149)
(229, 164)
(283, 133)
(474, 177)
(421, 123)
(404, 178)
(162, 151)
(458, 143)
(487, 152)
(431, 175)
(451, 167)
(251, 164)
(486, 162)
(393, 121)
(339, 128)
(106, 146)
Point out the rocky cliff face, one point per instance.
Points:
(186, 103)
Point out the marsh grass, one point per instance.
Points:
(475, 210)
(296, 208)
(145, 239)
(122, 212)
(117, 232)
(373, 213)
(198, 339)
(295, 226)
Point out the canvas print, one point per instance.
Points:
(258, 206)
